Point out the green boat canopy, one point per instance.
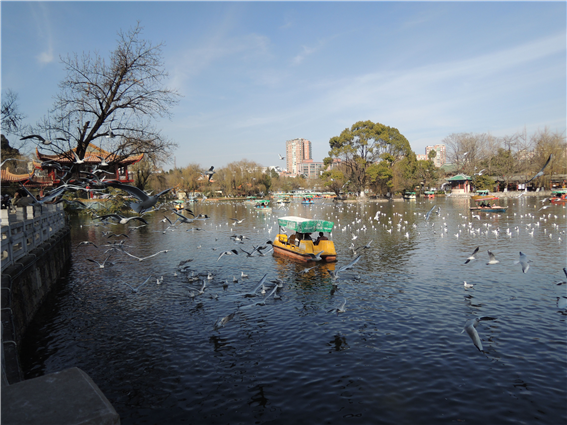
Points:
(558, 191)
(305, 225)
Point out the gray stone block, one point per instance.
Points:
(69, 397)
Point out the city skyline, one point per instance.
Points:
(254, 74)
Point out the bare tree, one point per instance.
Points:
(112, 103)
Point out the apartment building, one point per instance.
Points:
(297, 151)
(441, 158)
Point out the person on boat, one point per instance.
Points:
(292, 239)
(307, 237)
(321, 237)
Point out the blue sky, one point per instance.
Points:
(255, 74)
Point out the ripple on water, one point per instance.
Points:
(397, 355)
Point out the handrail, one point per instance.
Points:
(27, 228)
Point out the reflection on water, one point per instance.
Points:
(396, 355)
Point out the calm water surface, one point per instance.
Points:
(396, 356)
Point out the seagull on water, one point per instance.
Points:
(467, 285)
(470, 327)
(472, 255)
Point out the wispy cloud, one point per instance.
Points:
(44, 32)
(305, 51)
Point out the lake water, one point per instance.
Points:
(395, 356)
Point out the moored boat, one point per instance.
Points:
(429, 194)
(483, 194)
(299, 245)
(409, 196)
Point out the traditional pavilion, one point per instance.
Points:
(94, 156)
(8, 177)
(460, 183)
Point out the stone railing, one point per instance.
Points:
(25, 229)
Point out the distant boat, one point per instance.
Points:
(558, 196)
(483, 194)
(483, 205)
(429, 194)
(409, 196)
(307, 201)
(262, 205)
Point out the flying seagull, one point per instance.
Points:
(139, 286)
(144, 258)
(363, 246)
(146, 202)
(335, 274)
(540, 173)
(429, 213)
(221, 322)
(470, 327)
(87, 243)
(41, 139)
(100, 265)
(340, 309)
(121, 219)
(524, 262)
(210, 173)
(281, 157)
(472, 255)
(492, 259)
(232, 251)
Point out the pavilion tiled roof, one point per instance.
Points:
(459, 177)
(90, 157)
(8, 177)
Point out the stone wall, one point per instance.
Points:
(25, 285)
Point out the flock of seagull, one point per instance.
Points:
(265, 290)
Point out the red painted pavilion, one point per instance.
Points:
(118, 166)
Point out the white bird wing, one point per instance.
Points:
(349, 265)
(470, 329)
(524, 262)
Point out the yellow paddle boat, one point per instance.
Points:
(300, 245)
